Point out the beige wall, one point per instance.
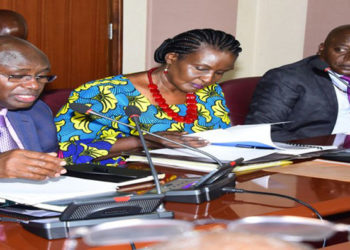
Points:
(147, 23)
(323, 16)
(272, 32)
(167, 18)
(134, 35)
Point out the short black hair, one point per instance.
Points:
(192, 40)
(336, 31)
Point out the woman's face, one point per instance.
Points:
(199, 69)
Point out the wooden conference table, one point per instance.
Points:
(331, 197)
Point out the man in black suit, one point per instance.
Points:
(312, 101)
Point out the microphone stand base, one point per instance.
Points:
(54, 228)
(201, 194)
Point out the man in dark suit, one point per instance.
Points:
(28, 141)
(312, 101)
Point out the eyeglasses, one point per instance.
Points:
(288, 228)
(26, 78)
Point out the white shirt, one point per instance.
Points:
(342, 124)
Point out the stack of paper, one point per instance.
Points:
(248, 141)
(38, 192)
(205, 166)
(43, 194)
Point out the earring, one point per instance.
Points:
(166, 70)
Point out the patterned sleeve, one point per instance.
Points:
(212, 110)
(222, 110)
(85, 137)
(82, 137)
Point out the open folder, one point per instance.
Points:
(247, 141)
(252, 142)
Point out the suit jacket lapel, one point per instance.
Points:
(328, 90)
(326, 86)
(25, 130)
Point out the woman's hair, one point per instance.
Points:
(193, 40)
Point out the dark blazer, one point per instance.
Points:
(298, 93)
(35, 127)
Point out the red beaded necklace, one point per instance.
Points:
(191, 114)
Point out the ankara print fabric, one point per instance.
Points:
(83, 138)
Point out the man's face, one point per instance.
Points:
(336, 52)
(21, 93)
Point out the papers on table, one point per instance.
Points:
(247, 141)
(54, 194)
(34, 192)
(223, 153)
(25, 211)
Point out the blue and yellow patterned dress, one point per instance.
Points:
(82, 137)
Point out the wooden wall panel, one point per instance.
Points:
(74, 35)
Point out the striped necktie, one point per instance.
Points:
(347, 78)
(6, 141)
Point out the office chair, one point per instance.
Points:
(55, 98)
(238, 93)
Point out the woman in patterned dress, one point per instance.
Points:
(179, 97)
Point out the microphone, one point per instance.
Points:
(84, 109)
(85, 213)
(207, 188)
(323, 66)
(134, 113)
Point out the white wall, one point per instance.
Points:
(271, 33)
(134, 35)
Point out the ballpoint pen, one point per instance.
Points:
(245, 144)
(260, 166)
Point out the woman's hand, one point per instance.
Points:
(30, 165)
(133, 143)
(192, 141)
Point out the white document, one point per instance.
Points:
(35, 192)
(247, 141)
(223, 153)
(240, 133)
(29, 212)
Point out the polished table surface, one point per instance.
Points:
(329, 197)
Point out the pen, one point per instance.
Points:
(259, 166)
(253, 145)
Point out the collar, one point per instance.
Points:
(3, 111)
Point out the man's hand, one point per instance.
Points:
(30, 165)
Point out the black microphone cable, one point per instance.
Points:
(237, 190)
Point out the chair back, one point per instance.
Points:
(238, 94)
(55, 98)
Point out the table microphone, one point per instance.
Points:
(85, 109)
(207, 188)
(322, 65)
(134, 113)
